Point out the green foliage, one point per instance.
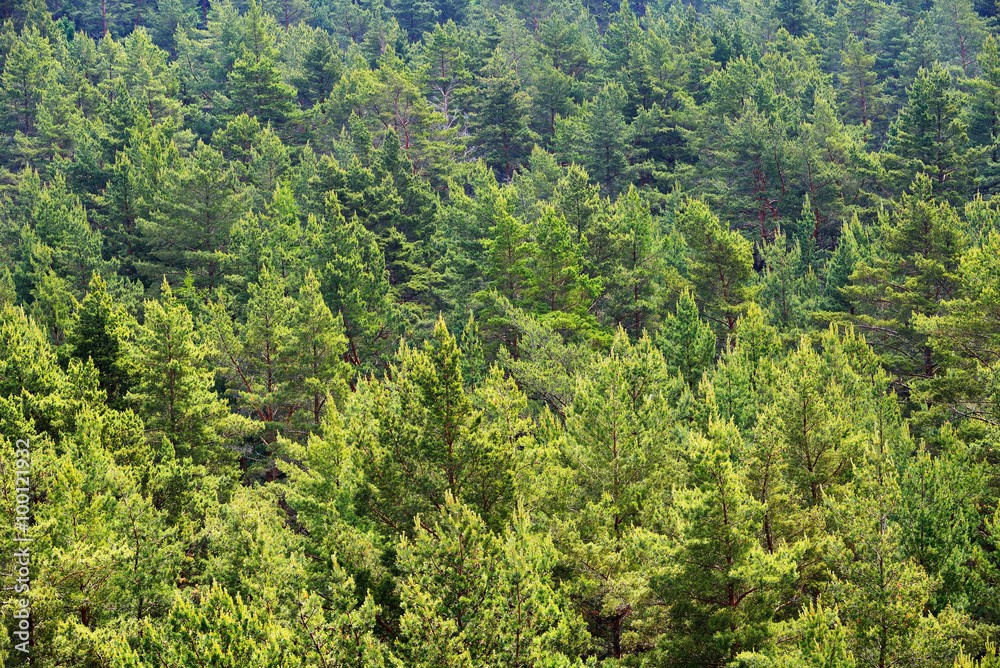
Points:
(174, 389)
(930, 136)
(500, 607)
(725, 392)
(102, 333)
(192, 217)
(420, 436)
(211, 627)
(721, 264)
(687, 343)
(921, 244)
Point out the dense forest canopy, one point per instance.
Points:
(457, 333)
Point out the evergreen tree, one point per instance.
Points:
(687, 343)
(501, 122)
(606, 142)
(192, 217)
(614, 468)
(174, 388)
(478, 598)
(320, 70)
(922, 242)
(102, 333)
(720, 588)
(420, 438)
(315, 352)
(862, 92)
(255, 85)
(721, 264)
(29, 71)
(962, 338)
(930, 137)
(214, 627)
(984, 117)
(355, 283)
(960, 32)
(557, 282)
(253, 357)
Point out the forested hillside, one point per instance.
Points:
(461, 333)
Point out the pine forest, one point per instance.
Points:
(500, 333)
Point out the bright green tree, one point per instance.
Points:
(174, 389)
(721, 264)
(475, 598)
(688, 344)
(614, 467)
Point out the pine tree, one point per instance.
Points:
(883, 595)
(30, 69)
(189, 229)
(420, 439)
(614, 465)
(557, 281)
(253, 354)
(624, 251)
(745, 373)
(255, 84)
(624, 62)
(964, 340)
(941, 495)
(862, 92)
(819, 640)
(915, 270)
(315, 352)
(984, 117)
(444, 70)
(960, 31)
(508, 251)
(606, 142)
(174, 389)
(355, 283)
(581, 204)
(102, 333)
(288, 12)
(501, 123)
(788, 285)
(721, 265)
(321, 69)
(719, 587)
(929, 137)
(214, 627)
(481, 598)
(687, 343)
